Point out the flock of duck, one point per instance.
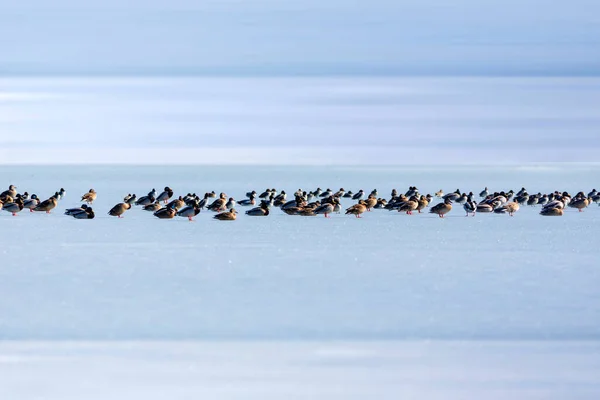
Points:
(306, 203)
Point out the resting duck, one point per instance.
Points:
(357, 209)
(189, 211)
(226, 216)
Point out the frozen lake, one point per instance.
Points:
(517, 297)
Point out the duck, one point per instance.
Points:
(165, 213)
(219, 204)
(381, 203)
(165, 195)
(212, 194)
(348, 195)
(409, 206)
(326, 193)
(230, 203)
(89, 197)
(61, 193)
(32, 202)
(307, 212)
(249, 201)
(340, 193)
(412, 191)
(509, 208)
(189, 211)
(357, 209)
(71, 211)
(325, 209)
(152, 206)
(579, 203)
(146, 200)
(484, 193)
(119, 209)
(47, 205)
(470, 207)
(439, 194)
(226, 216)
(552, 212)
(442, 209)
(359, 195)
(374, 193)
(370, 202)
(11, 192)
(487, 207)
(265, 194)
(131, 199)
(14, 207)
(177, 203)
(251, 194)
(423, 203)
(88, 213)
(261, 211)
(452, 196)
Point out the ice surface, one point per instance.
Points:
(300, 370)
(517, 296)
(386, 276)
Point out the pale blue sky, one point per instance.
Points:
(296, 37)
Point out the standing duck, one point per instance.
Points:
(32, 202)
(119, 209)
(409, 206)
(47, 205)
(14, 207)
(357, 209)
(89, 197)
(189, 211)
(226, 216)
(579, 203)
(442, 209)
(484, 193)
(470, 207)
(165, 195)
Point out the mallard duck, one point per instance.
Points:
(14, 207)
(71, 211)
(119, 209)
(248, 202)
(219, 204)
(442, 209)
(357, 209)
(165, 195)
(88, 213)
(261, 211)
(61, 193)
(359, 195)
(370, 202)
(131, 200)
(579, 203)
(153, 206)
(189, 211)
(470, 207)
(165, 213)
(226, 216)
(552, 212)
(324, 209)
(177, 203)
(409, 206)
(32, 202)
(47, 205)
(11, 192)
(439, 194)
(89, 197)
